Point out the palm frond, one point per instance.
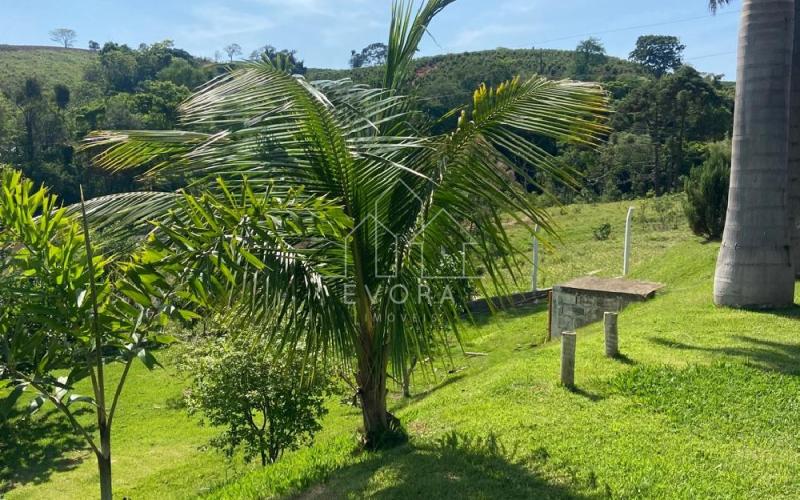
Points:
(405, 33)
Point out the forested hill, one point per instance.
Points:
(447, 81)
(665, 114)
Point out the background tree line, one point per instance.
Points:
(666, 112)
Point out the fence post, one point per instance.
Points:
(535, 272)
(568, 340)
(612, 336)
(626, 258)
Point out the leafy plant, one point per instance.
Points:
(359, 287)
(707, 192)
(602, 232)
(66, 311)
(267, 401)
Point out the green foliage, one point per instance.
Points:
(268, 402)
(675, 111)
(182, 72)
(659, 54)
(66, 312)
(354, 295)
(285, 60)
(120, 69)
(602, 232)
(589, 54)
(707, 192)
(62, 95)
(373, 54)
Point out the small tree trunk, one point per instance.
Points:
(407, 377)
(104, 463)
(263, 450)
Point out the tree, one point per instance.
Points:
(373, 54)
(182, 72)
(94, 46)
(284, 59)
(589, 54)
(68, 311)
(120, 68)
(658, 53)
(707, 192)
(64, 36)
(267, 402)
(61, 94)
(794, 146)
(233, 50)
(675, 110)
(754, 267)
(402, 198)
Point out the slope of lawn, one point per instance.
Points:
(704, 403)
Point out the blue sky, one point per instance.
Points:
(324, 31)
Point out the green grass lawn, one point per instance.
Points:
(704, 404)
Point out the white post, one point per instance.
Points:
(626, 258)
(535, 272)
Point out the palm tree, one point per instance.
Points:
(754, 267)
(379, 281)
(794, 146)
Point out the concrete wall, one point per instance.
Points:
(573, 309)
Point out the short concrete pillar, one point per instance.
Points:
(612, 337)
(568, 341)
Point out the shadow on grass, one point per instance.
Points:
(455, 466)
(451, 379)
(624, 359)
(32, 449)
(765, 354)
(482, 319)
(591, 396)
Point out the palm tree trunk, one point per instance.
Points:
(372, 391)
(794, 147)
(381, 429)
(754, 266)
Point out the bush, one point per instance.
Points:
(268, 402)
(602, 232)
(707, 192)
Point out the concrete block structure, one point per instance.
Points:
(585, 300)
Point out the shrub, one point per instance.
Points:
(602, 232)
(267, 402)
(707, 192)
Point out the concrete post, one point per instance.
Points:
(568, 341)
(535, 272)
(626, 258)
(612, 337)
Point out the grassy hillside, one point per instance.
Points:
(50, 65)
(704, 404)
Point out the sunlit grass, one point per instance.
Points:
(704, 404)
